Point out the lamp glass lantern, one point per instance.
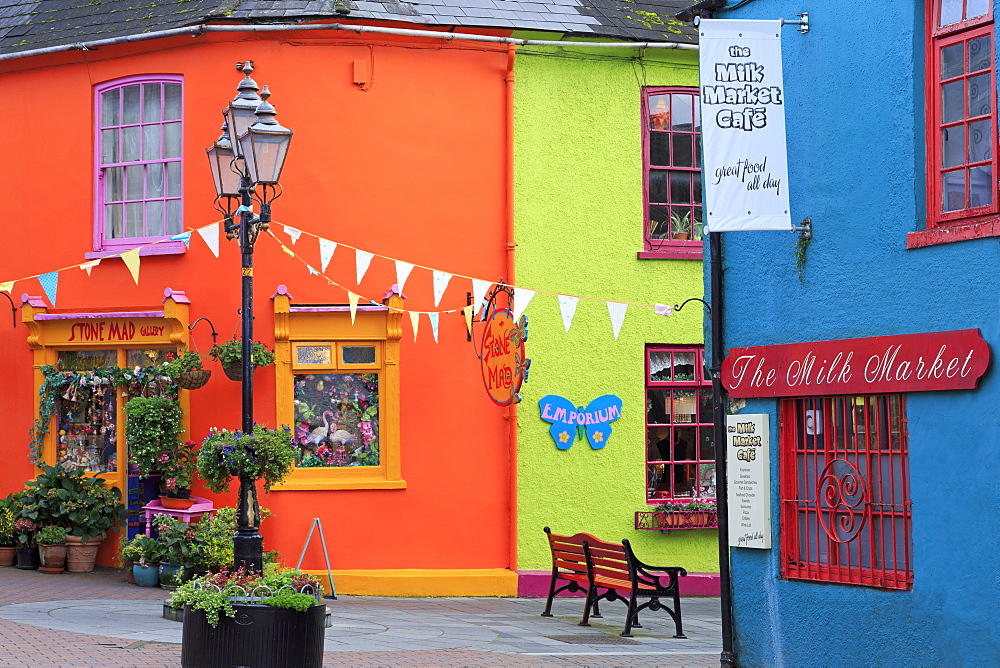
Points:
(264, 148)
(220, 159)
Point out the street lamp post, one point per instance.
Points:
(254, 160)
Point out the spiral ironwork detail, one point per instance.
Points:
(841, 497)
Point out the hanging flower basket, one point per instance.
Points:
(233, 371)
(192, 380)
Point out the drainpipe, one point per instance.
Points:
(511, 245)
(728, 657)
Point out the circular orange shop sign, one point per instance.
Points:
(504, 365)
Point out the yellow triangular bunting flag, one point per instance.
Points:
(7, 287)
(354, 304)
(468, 317)
(131, 260)
(414, 322)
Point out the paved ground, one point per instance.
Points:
(96, 619)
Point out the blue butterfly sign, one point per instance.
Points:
(569, 422)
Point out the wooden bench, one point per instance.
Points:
(614, 568)
(569, 563)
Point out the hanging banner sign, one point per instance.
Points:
(953, 360)
(745, 166)
(504, 365)
(748, 456)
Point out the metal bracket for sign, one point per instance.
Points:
(802, 22)
(498, 288)
(805, 230)
(13, 309)
(322, 541)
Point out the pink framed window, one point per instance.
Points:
(962, 163)
(846, 514)
(671, 139)
(680, 454)
(139, 163)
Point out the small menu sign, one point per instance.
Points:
(748, 444)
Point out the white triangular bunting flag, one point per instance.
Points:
(87, 266)
(361, 260)
(353, 298)
(663, 309)
(521, 299)
(434, 324)
(326, 249)
(7, 287)
(293, 233)
(440, 285)
(467, 311)
(131, 260)
(479, 289)
(567, 306)
(403, 270)
(210, 235)
(414, 322)
(617, 312)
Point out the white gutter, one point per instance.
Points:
(357, 28)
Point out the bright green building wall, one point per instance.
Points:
(578, 228)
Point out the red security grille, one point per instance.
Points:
(845, 500)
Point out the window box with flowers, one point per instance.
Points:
(696, 514)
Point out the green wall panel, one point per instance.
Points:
(578, 226)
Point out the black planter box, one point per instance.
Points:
(258, 636)
(27, 558)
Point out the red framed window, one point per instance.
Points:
(845, 497)
(680, 455)
(671, 140)
(962, 118)
(138, 163)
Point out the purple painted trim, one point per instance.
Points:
(32, 300)
(178, 296)
(95, 316)
(535, 584)
(163, 248)
(109, 246)
(335, 309)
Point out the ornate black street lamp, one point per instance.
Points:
(246, 162)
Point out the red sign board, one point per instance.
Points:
(503, 362)
(952, 360)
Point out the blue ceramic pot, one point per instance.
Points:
(146, 576)
(171, 574)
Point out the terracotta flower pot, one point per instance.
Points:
(52, 558)
(176, 504)
(7, 555)
(80, 557)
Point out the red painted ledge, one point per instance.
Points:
(946, 235)
(535, 584)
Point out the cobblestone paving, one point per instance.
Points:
(96, 619)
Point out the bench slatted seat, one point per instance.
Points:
(615, 569)
(569, 563)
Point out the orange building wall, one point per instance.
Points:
(412, 168)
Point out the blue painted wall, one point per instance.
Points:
(854, 86)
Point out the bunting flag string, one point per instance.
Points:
(361, 261)
(293, 233)
(7, 287)
(403, 270)
(441, 279)
(617, 312)
(50, 283)
(414, 322)
(326, 250)
(433, 316)
(210, 235)
(522, 298)
(131, 260)
(567, 307)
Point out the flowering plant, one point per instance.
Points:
(6, 526)
(264, 453)
(151, 428)
(692, 505)
(177, 363)
(51, 535)
(178, 540)
(25, 529)
(215, 593)
(231, 352)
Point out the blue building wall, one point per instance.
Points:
(855, 129)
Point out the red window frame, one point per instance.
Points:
(663, 191)
(846, 515)
(680, 459)
(972, 220)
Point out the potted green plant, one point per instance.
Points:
(694, 514)
(180, 545)
(147, 555)
(27, 546)
(52, 548)
(187, 369)
(287, 600)
(266, 454)
(230, 355)
(8, 550)
(680, 225)
(151, 429)
(67, 497)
